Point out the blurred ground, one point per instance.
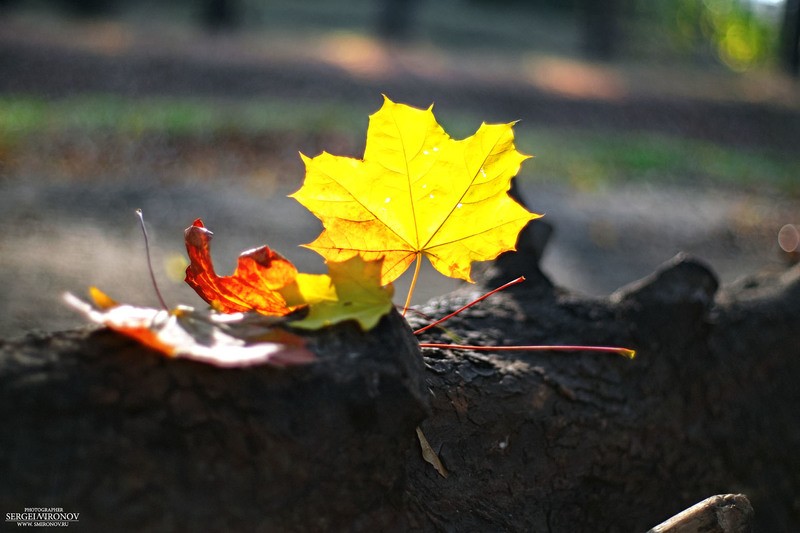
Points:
(68, 190)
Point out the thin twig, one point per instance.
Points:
(630, 354)
(149, 262)
(473, 302)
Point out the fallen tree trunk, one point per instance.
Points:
(581, 442)
(96, 424)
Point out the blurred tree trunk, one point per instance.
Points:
(395, 19)
(790, 37)
(600, 28)
(218, 15)
(89, 8)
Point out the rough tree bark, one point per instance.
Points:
(580, 443)
(96, 424)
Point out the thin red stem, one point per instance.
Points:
(630, 354)
(473, 302)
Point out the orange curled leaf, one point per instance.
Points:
(254, 285)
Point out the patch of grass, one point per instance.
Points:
(589, 159)
(20, 116)
(580, 158)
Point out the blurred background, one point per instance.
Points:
(657, 126)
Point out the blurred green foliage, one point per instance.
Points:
(740, 37)
(738, 33)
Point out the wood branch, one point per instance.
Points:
(726, 513)
(96, 424)
(581, 442)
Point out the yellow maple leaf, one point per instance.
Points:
(351, 291)
(417, 192)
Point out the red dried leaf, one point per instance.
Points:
(254, 285)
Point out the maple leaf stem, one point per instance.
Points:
(473, 302)
(149, 262)
(630, 354)
(417, 266)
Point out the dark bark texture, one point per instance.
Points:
(560, 442)
(96, 424)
